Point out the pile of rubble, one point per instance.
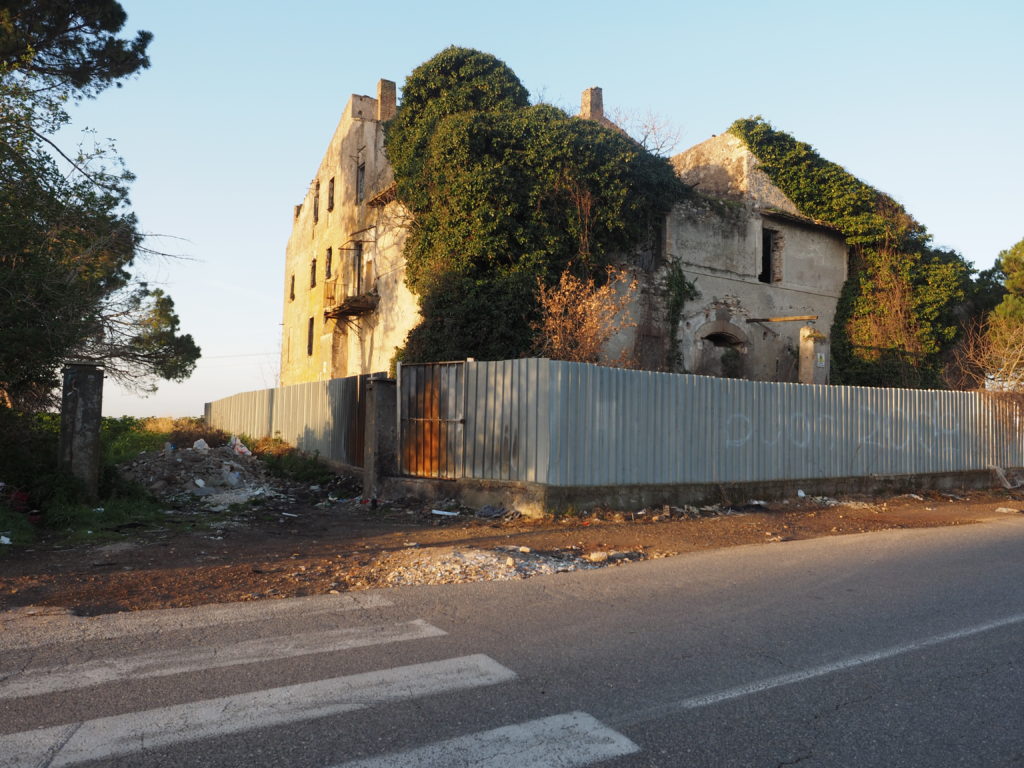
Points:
(215, 477)
(453, 565)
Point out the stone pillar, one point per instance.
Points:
(80, 418)
(387, 102)
(814, 356)
(380, 444)
(592, 104)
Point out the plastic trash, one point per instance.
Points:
(445, 512)
(238, 447)
(200, 445)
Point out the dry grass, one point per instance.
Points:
(184, 431)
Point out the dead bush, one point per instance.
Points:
(990, 356)
(579, 318)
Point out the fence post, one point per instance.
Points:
(380, 445)
(80, 419)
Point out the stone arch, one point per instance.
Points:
(721, 349)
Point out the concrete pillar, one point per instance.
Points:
(592, 104)
(814, 356)
(387, 101)
(80, 418)
(380, 444)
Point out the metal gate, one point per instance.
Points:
(431, 419)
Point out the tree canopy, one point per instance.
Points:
(897, 315)
(68, 238)
(506, 196)
(1010, 264)
(69, 46)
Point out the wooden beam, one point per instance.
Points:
(790, 319)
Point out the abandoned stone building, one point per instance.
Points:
(768, 277)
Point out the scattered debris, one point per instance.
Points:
(215, 477)
(858, 504)
(451, 565)
(1003, 478)
(750, 506)
(800, 493)
(913, 496)
(1007, 510)
(489, 512)
(445, 512)
(825, 501)
(5, 540)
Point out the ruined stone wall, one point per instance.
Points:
(720, 248)
(365, 233)
(722, 166)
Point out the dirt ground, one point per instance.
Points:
(307, 544)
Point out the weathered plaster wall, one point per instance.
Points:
(360, 344)
(723, 166)
(719, 247)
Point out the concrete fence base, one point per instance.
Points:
(536, 500)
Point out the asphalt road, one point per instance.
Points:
(900, 648)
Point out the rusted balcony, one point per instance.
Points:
(340, 302)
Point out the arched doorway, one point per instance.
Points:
(722, 350)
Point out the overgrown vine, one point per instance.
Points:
(505, 194)
(896, 314)
(678, 290)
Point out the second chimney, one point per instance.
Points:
(592, 104)
(386, 100)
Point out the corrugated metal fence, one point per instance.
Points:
(328, 417)
(570, 424)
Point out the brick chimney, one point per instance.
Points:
(592, 105)
(386, 100)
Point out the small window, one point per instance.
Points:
(316, 203)
(312, 273)
(309, 339)
(327, 261)
(357, 269)
(330, 194)
(291, 292)
(360, 182)
(771, 256)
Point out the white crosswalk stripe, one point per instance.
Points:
(564, 740)
(561, 741)
(154, 728)
(163, 663)
(75, 628)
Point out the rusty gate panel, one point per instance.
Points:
(431, 413)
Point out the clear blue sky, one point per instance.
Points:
(225, 130)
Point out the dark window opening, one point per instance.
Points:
(291, 292)
(309, 339)
(312, 273)
(360, 182)
(357, 269)
(327, 263)
(771, 256)
(330, 194)
(316, 203)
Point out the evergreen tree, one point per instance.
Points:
(68, 238)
